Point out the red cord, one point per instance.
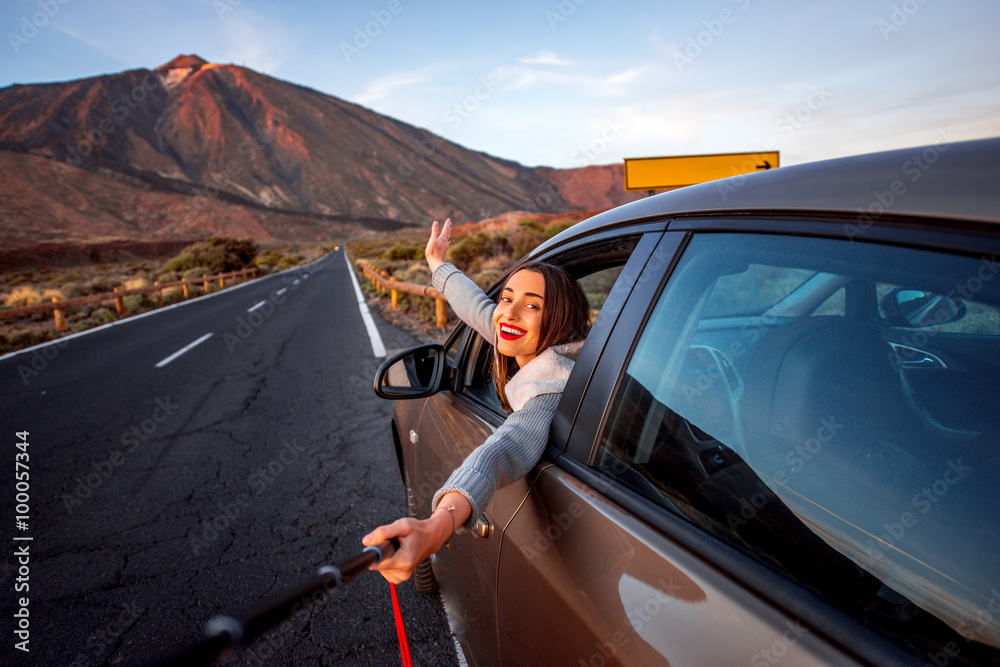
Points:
(404, 647)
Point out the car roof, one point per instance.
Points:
(954, 180)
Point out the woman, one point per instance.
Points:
(537, 328)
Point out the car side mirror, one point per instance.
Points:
(413, 373)
(918, 309)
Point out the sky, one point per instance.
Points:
(570, 83)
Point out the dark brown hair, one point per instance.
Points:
(565, 318)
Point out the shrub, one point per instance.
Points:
(487, 278)
(73, 289)
(289, 261)
(173, 295)
(218, 253)
(477, 248)
(135, 283)
(271, 258)
(102, 284)
(135, 303)
(401, 252)
(23, 296)
(103, 315)
(21, 339)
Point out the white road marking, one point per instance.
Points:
(184, 349)
(378, 349)
(281, 291)
(255, 306)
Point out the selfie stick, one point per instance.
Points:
(224, 632)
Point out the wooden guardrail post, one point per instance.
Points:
(222, 281)
(185, 289)
(119, 304)
(159, 292)
(204, 282)
(441, 311)
(393, 295)
(60, 318)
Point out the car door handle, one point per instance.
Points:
(483, 527)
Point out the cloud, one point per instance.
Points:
(92, 43)
(547, 58)
(385, 87)
(614, 84)
(256, 41)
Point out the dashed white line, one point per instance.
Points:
(184, 349)
(255, 306)
(281, 291)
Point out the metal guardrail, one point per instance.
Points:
(395, 286)
(118, 295)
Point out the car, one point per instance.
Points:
(780, 442)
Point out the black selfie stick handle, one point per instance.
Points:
(224, 632)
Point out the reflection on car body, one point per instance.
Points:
(780, 440)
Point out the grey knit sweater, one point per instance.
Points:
(534, 392)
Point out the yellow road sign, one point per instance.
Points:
(661, 173)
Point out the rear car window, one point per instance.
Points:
(828, 408)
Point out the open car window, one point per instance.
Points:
(819, 406)
(596, 266)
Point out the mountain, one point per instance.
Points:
(193, 148)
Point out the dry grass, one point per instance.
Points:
(29, 287)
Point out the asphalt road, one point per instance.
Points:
(161, 496)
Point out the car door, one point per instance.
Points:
(451, 424)
(746, 478)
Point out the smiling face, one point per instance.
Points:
(518, 316)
